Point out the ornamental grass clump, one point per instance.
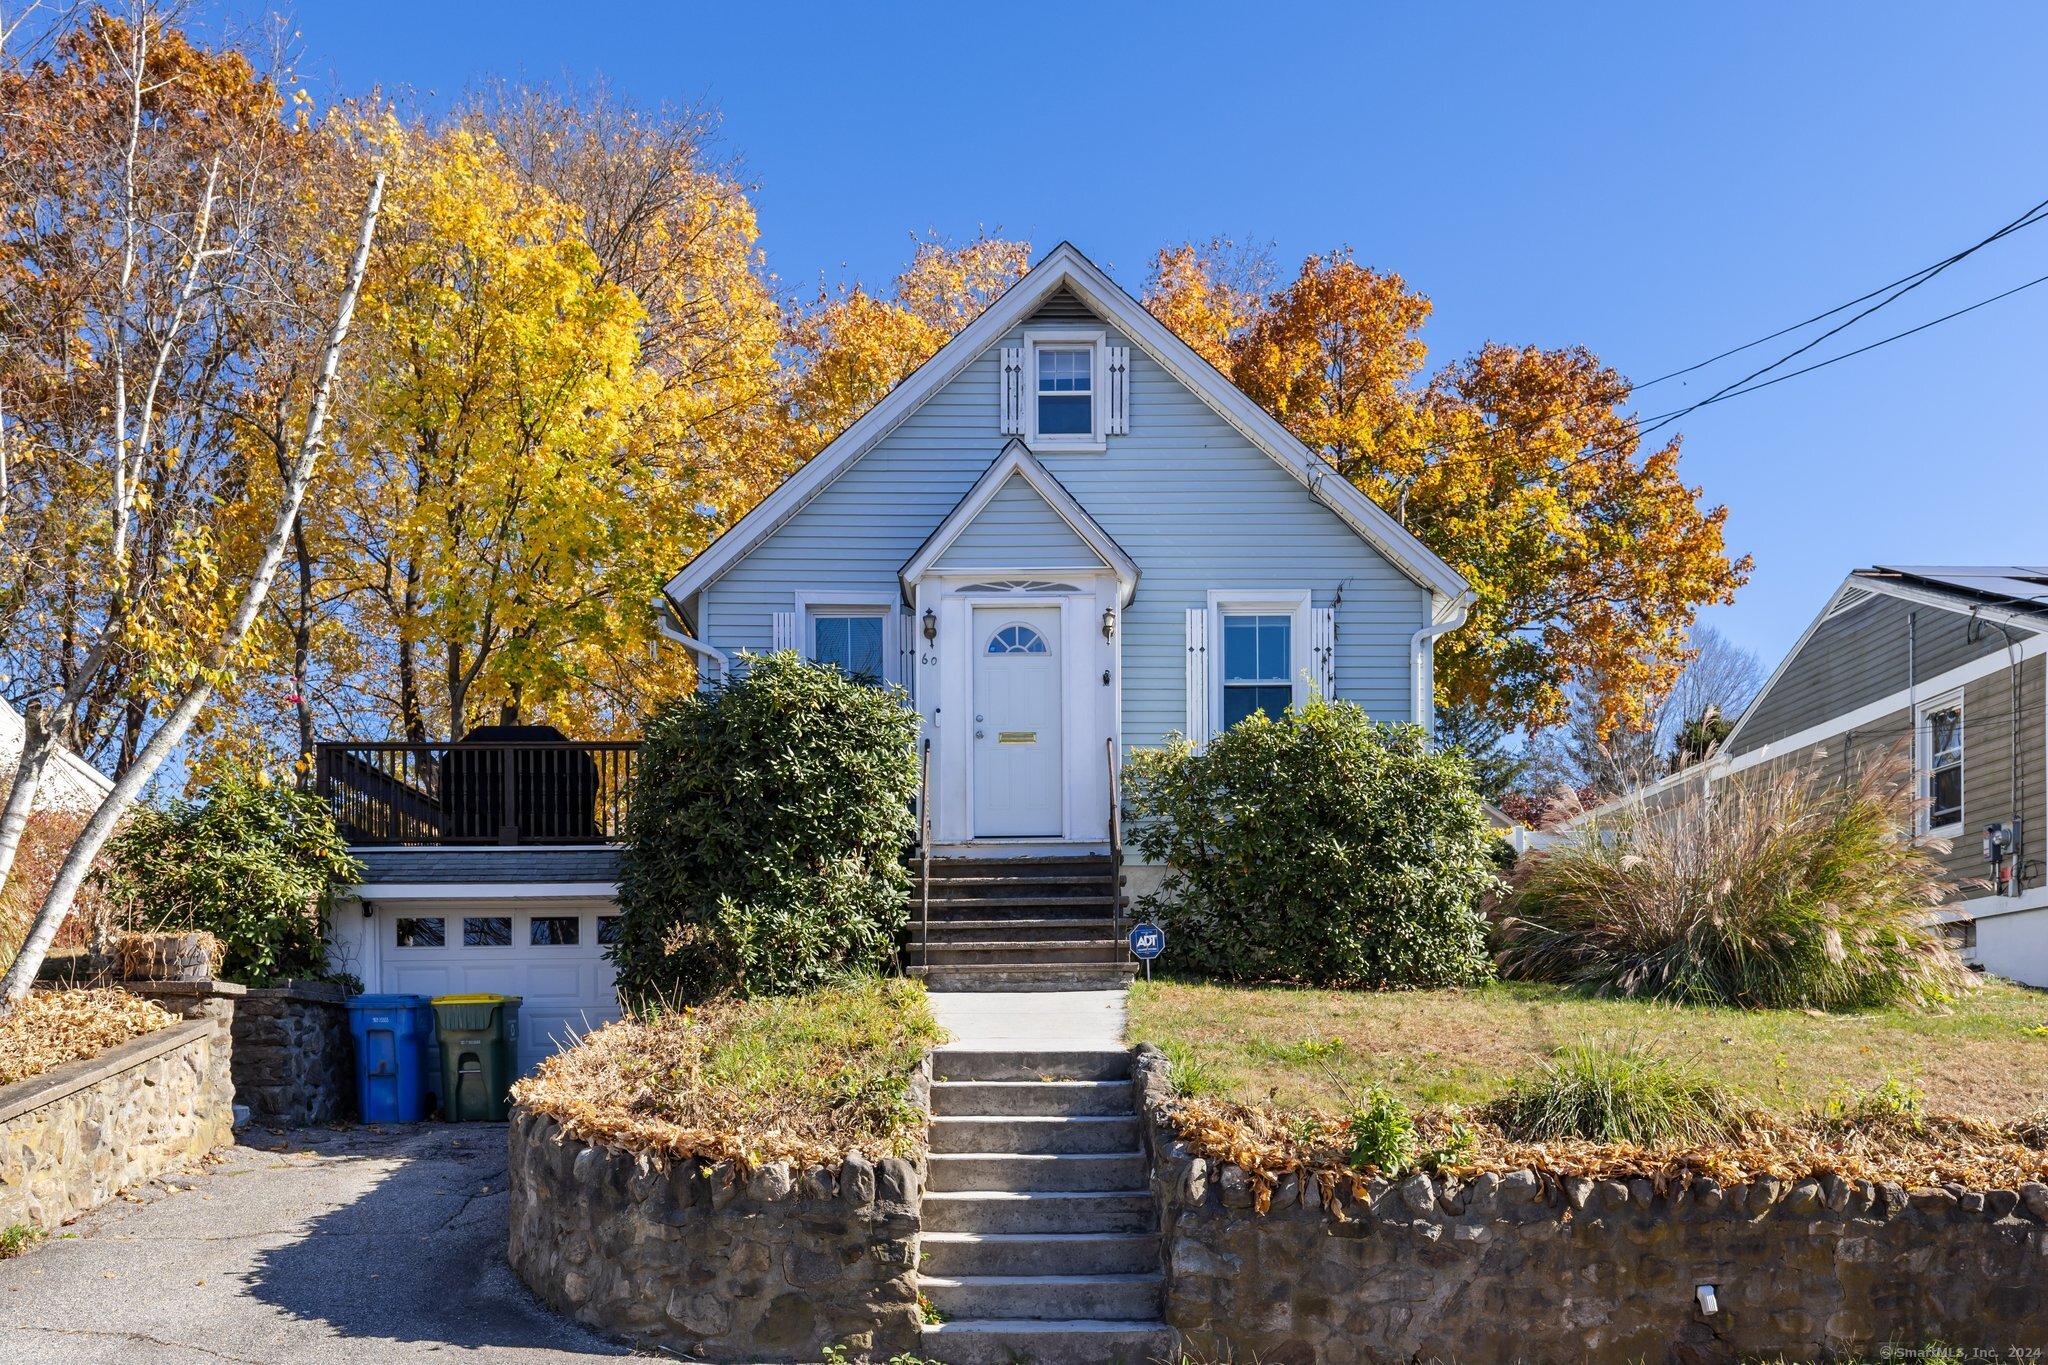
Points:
(1629, 1092)
(1776, 891)
(1318, 847)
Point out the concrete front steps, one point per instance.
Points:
(1041, 1238)
(1019, 924)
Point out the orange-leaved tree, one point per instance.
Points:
(1520, 466)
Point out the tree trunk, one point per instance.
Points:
(21, 974)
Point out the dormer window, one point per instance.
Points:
(1066, 391)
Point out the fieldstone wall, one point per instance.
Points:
(294, 1054)
(1513, 1267)
(72, 1138)
(692, 1257)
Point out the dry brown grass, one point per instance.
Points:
(806, 1078)
(1270, 1143)
(1303, 1048)
(51, 1028)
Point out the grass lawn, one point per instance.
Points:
(1308, 1048)
(809, 1077)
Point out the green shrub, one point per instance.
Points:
(1320, 847)
(248, 860)
(1382, 1133)
(1891, 1102)
(764, 847)
(1630, 1092)
(1776, 891)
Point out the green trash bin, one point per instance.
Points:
(479, 1037)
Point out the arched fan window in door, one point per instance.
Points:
(1017, 640)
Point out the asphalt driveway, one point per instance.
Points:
(349, 1244)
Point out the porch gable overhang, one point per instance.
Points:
(1016, 460)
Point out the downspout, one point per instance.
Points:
(1422, 690)
(666, 614)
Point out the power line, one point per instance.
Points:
(1817, 317)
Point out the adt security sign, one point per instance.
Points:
(1147, 942)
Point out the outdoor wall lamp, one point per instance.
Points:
(1108, 623)
(931, 625)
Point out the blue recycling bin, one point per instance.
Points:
(392, 1033)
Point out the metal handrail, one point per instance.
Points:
(924, 850)
(1116, 845)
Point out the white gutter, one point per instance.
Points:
(1422, 680)
(664, 613)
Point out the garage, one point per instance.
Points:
(549, 952)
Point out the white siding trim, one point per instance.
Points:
(1116, 378)
(785, 631)
(1012, 386)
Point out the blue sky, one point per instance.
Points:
(1656, 182)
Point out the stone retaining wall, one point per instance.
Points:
(1511, 1267)
(690, 1256)
(294, 1054)
(72, 1138)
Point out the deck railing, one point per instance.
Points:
(486, 792)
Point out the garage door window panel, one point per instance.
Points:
(426, 931)
(487, 931)
(555, 931)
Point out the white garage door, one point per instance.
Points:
(551, 955)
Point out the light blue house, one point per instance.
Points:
(1067, 535)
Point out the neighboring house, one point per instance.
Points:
(1065, 535)
(69, 782)
(1947, 663)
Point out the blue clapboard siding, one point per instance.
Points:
(1018, 529)
(1187, 496)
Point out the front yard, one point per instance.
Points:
(1312, 1049)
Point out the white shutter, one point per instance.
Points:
(1013, 390)
(1118, 383)
(785, 630)
(1198, 676)
(906, 651)
(1322, 650)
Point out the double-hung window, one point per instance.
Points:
(851, 640)
(1258, 649)
(1941, 763)
(1066, 392)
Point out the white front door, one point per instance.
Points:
(1017, 701)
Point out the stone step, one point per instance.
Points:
(1037, 865)
(1015, 907)
(1020, 1212)
(1132, 1298)
(1034, 1136)
(1059, 1253)
(1075, 928)
(1038, 977)
(1045, 1099)
(989, 1064)
(1002, 886)
(1078, 1171)
(1024, 952)
(1073, 1342)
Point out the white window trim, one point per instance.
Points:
(1096, 340)
(1291, 602)
(1923, 761)
(812, 605)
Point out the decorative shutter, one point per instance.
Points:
(1013, 390)
(1322, 646)
(1198, 677)
(1118, 381)
(785, 630)
(906, 651)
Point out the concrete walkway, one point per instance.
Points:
(317, 1245)
(1043, 1020)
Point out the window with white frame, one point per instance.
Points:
(1258, 673)
(1065, 392)
(852, 640)
(1941, 764)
